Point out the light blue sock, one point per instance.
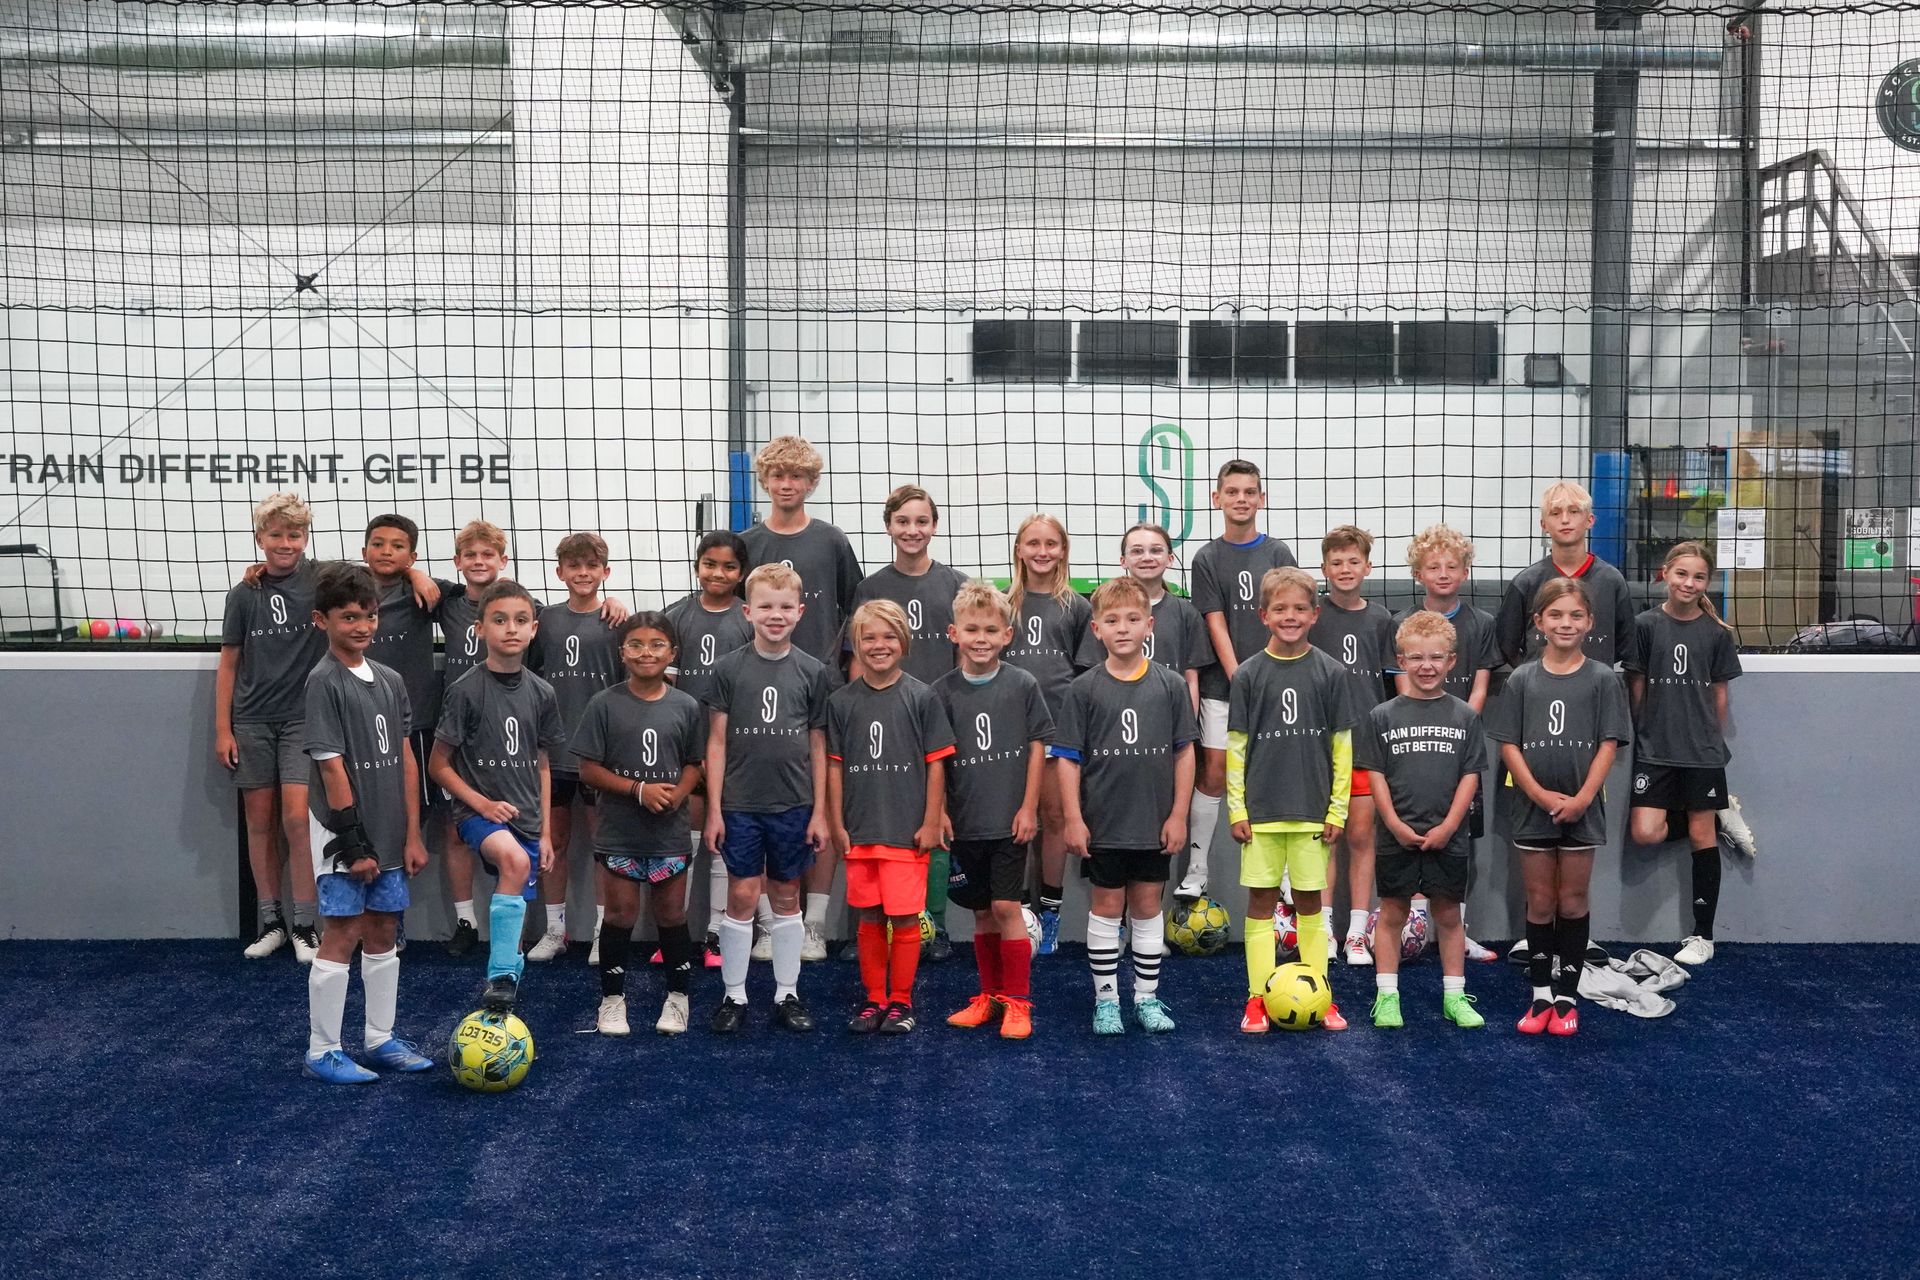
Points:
(506, 917)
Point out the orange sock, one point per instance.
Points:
(873, 958)
(906, 959)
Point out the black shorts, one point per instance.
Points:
(1678, 789)
(1118, 868)
(984, 872)
(566, 787)
(1399, 872)
(1476, 816)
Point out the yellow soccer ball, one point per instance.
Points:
(490, 1052)
(1297, 998)
(1198, 928)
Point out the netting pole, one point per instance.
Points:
(1616, 99)
(739, 450)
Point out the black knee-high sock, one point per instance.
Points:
(676, 953)
(615, 945)
(1571, 935)
(1706, 889)
(1540, 945)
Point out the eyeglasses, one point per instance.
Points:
(646, 646)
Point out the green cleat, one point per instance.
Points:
(1386, 1010)
(1459, 1010)
(1152, 1015)
(1106, 1018)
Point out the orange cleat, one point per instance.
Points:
(1016, 1018)
(1534, 1021)
(1333, 1021)
(978, 1013)
(1254, 1020)
(1564, 1024)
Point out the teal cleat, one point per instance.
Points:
(1153, 1015)
(335, 1067)
(1106, 1018)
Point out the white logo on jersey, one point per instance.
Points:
(1246, 586)
(1033, 631)
(1146, 646)
(913, 616)
(787, 563)
(473, 641)
(1680, 659)
(1290, 705)
(983, 731)
(512, 727)
(1556, 717)
(277, 603)
(573, 651)
(708, 643)
(650, 748)
(1350, 650)
(380, 733)
(1129, 726)
(876, 735)
(769, 704)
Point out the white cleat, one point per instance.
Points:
(613, 1017)
(763, 946)
(814, 947)
(1695, 950)
(1484, 955)
(549, 946)
(593, 956)
(1733, 825)
(1194, 886)
(673, 1014)
(306, 943)
(1357, 952)
(273, 936)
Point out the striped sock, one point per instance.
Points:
(1148, 941)
(1103, 955)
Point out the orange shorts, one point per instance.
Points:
(892, 879)
(1362, 783)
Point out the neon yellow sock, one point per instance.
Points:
(1259, 954)
(1313, 942)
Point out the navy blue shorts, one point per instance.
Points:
(341, 895)
(768, 844)
(476, 831)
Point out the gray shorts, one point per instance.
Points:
(271, 755)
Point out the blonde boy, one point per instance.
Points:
(480, 557)
(1566, 517)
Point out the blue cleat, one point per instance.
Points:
(1049, 932)
(1106, 1018)
(397, 1055)
(335, 1067)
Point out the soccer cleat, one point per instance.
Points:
(939, 948)
(1333, 1020)
(793, 1014)
(710, 949)
(1518, 954)
(593, 952)
(1484, 955)
(335, 1067)
(1254, 1020)
(465, 938)
(1106, 1018)
(273, 936)
(613, 1017)
(1049, 931)
(658, 957)
(1386, 1010)
(762, 945)
(1534, 1020)
(1459, 1010)
(867, 1018)
(1357, 952)
(549, 946)
(1016, 1023)
(1193, 886)
(673, 1014)
(1695, 950)
(501, 995)
(1333, 948)
(306, 943)
(899, 1020)
(1564, 1024)
(1153, 1015)
(814, 946)
(1733, 826)
(729, 1017)
(397, 1055)
(979, 1012)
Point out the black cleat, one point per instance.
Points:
(899, 1020)
(465, 938)
(501, 995)
(793, 1014)
(729, 1017)
(940, 949)
(867, 1019)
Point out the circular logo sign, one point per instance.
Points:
(1898, 105)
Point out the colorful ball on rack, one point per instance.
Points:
(99, 628)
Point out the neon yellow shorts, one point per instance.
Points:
(1298, 854)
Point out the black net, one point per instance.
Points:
(567, 266)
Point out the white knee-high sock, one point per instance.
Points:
(789, 935)
(1147, 941)
(326, 1004)
(716, 889)
(380, 975)
(1103, 955)
(1202, 820)
(736, 956)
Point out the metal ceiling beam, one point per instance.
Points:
(213, 38)
(883, 139)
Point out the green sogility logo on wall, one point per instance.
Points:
(1898, 105)
(1166, 469)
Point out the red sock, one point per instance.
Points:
(1016, 967)
(906, 958)
(873, 959)
(986, 953)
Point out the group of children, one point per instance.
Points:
(927, 731)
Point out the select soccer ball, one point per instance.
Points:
(1297, 998)
(490, 1052)
(926, 928)
(1032, 921)
(1414, 938)
(1199, 927)
(1286, 934)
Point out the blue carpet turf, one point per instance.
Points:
(156, 1124)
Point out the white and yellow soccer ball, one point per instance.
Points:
(1201, 927)
(1297, 998)
(490, 1052)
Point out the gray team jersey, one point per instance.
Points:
(405, 643)
(1226, 579)
(1678, 724)
(772, 706)
(1178, 640)
(705, 638)
(1124, 733)
(928, 601)
(364, 722)
(1049, 642)
(1559, 722)
(993, 724)
(1361, 640)
(1423, 747)
(1290, 708)
(1475, 649)
(498, 725)
(646, 742)
(579, 655)
(1612, 635)
(829, 573)
(884, 740)
(272, 624)
(459, 619)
